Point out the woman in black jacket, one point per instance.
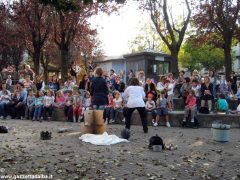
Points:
(119, 85)
(99, 91)
(207, 93)
(150, 88)
(82, 85)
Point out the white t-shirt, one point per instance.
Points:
(197, 90)
(117, 102)
(135, 95)
(150, 105)
(87, 102)
(48, 101)
(160, 86)
(170, 87)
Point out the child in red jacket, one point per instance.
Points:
(191, 105)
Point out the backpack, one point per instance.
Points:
(204, 110)
(125, 133)
(3, 129)
(156, 140)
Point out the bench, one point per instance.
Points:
(179, 104)
(58, 115)
(175, 118)
(205, 120)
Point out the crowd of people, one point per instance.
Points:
(34, 99)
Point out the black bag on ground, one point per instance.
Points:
(204, 110)
(125, 133)
(156, 140)
(3, 129)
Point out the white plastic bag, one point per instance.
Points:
(102, 139)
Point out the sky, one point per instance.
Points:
(117, 30)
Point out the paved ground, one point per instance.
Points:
(66, 157)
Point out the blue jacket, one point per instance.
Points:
(23, 96)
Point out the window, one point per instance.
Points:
(161, 69)
(152, 68)
(166, 67)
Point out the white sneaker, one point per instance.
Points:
(168, 124)
(123, 120)
(192, 120)
(155, 124)
(153, 121)
(112, 121)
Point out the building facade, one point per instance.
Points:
(154, 64)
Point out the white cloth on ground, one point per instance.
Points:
(102, 139)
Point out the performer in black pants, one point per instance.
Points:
(135, 95)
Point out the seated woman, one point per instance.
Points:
(68, 85)
(16, 107)
(150, 88)
(207, 93)
(40, 85)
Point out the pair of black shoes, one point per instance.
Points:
(45, 135)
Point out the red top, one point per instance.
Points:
(110, 102)
(191, 101)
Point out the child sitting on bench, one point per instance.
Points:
(191, 105)
(222, 105)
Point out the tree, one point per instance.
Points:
(220, 16)
(147, 38)
(87, 45)
(171, 32)
(70, 24)
(12, 46)
(72, 5)
(199, 56)
(67, 24)
(34, 21)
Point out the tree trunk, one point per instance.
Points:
(64, 64)
(46, 73)
(45, 67)
(36, 61)
(86, 66)
(228, 59)
(174, 63)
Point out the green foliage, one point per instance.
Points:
(69, 5)
(198, 56)
(72, 5)
(147, 39)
